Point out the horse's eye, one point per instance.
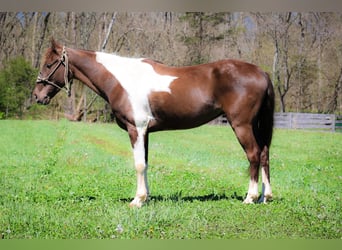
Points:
(49, 65)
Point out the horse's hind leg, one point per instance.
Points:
(245, 135)
(265, 173)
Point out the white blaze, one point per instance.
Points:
(138, 79)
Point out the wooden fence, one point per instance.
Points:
(320, 122)
(305, 121)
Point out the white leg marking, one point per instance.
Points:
(141, 168)
(253, 193)
(267, 191)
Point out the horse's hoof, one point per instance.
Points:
(135, 204)
(250, 199)
(267, 197)
(138, 201)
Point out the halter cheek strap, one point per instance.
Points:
(65, 61)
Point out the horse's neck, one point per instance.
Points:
(84, 65)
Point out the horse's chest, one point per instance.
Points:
(139, 80)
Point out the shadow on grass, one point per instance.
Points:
(178, 197)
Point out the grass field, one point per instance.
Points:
(62, 180)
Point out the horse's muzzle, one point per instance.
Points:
(44, 101)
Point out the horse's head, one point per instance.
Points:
(54, 74)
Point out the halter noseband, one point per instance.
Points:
(65, 61)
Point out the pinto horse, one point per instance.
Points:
(147, 96)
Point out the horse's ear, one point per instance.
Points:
(54, 45)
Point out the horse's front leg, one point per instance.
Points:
(139, 140)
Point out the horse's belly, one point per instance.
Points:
(182, 120)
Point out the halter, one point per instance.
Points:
(65, 61)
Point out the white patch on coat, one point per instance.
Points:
(139, 79)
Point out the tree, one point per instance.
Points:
(16, 82)
(199, 36)
(278, 28)
(329, 53)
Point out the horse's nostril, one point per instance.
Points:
(37, 99)
(46, 100)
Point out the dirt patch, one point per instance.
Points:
(108, 146)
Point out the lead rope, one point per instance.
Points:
(65, 61)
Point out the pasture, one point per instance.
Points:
(63, 180)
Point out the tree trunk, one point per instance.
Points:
(336, 92)
(110, 27)
(41, 39)
(71, 102)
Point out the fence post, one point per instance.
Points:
(333, 123)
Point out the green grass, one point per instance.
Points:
(62, 180)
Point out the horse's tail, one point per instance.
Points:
(265, 116)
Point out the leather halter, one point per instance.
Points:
(65, 61)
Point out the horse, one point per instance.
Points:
(147, 96)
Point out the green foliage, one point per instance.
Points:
(62, 180)
(16, 82)
(37, 112)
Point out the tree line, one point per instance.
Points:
(302, 52)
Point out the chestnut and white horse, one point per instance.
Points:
(147, 96)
